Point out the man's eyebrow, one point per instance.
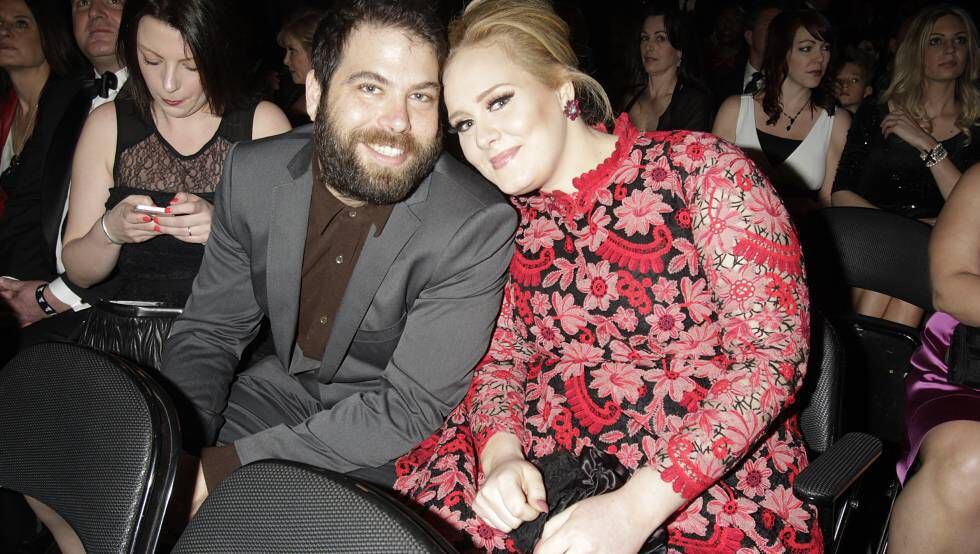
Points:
(368, 75)
(427, 84)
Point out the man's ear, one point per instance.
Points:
(313, 92)
(747, 35)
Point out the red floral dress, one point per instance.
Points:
(660, 314)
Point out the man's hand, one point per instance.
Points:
(20, 295)
(200, 491)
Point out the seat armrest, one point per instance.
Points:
(834, 471)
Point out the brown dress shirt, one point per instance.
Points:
(335, 235)
(334, 238)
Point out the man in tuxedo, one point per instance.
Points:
(96, 26)
(746, 78)
(379, 263)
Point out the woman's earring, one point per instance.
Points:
(571, 110)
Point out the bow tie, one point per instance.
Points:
(753, 85)
(101, 86)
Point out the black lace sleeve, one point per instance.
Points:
(853, 160)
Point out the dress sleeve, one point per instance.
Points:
(497, 402)
(853, 159)
(751, 268)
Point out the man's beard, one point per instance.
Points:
(340, 168)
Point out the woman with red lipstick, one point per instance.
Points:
(166, 150)
(906, 152)
(671, 96)
(639, 386)
(791, 127)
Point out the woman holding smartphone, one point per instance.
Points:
(147, 165)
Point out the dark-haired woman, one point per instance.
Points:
(790, 127)
(672, 98)
(170, 140)
(39, 60)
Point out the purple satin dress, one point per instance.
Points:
(929, 399)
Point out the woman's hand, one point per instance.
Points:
(124, 224)
(512, 493)
(905, 128)
(188, 219)
(609, 522)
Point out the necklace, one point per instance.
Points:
(792, 119)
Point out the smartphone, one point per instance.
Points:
(139, 308)
(143, 208)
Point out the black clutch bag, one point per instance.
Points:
(133, 330)
(569, 479)
(963, 357)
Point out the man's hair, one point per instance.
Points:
(416, 17)
(210, 31)
(53, 19)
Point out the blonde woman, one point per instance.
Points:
(653, 323)
(296, 38)
(906, 153)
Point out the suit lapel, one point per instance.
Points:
(373, 264)
(287, 240)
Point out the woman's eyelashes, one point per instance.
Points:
(494, 104)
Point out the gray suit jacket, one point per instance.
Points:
(416, 317)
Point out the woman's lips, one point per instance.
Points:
(503, 158)
(172, 102)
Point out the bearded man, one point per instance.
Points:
(379, 262)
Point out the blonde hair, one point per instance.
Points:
(535, 38)
(301, 26)
(905, 90)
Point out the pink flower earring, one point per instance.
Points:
(571, 110)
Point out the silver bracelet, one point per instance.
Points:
(934, 156)
(106, 231)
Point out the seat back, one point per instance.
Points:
(94, 438)
(820, 414)
(276, 506)
(869, 249)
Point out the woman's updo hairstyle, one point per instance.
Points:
(537, 39)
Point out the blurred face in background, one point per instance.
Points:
(297, 60)
(945, 53)
(852, 85)
(658, 55)
(96, 27)
(20, 38)
(756, 36)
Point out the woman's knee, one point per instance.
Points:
(951, 461)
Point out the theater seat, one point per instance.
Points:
(93, 437)
(838, 462)
(277, 506)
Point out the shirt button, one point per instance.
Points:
(324, 319)
(352, 213)
(339, 259)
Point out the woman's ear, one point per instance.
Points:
(566, 94)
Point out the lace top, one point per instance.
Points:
(163, 268)
(889, 173)
(659, 314)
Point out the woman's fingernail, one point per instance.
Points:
(542, 506)
(167, 210)
(156, 228)
(146, 219)
(173, 200)
(156, 220)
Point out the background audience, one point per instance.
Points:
(296, 39)
(791, 127)
(905, 152)
(670, 95)
(853, 78)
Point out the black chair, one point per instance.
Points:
(831, 480)
(277, 506)
(882, 252)
(93, 437)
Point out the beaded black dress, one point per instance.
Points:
(888, 171)
(163, 268)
